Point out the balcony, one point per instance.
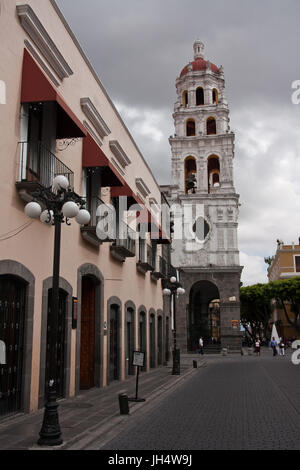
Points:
(38, 167)
(161, 269)
(124, 246)
(145, 262)
(89, 232)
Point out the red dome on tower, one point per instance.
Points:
(199, 64)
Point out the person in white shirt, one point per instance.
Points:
(257, 347)
(281, 348)
(200, 345)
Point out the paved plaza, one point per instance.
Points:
(234, 402)
(228, 402)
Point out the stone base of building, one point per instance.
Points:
(222, 283)
(233, 343)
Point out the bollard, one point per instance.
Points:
(195, 364)
(123, 402)
(224, 351)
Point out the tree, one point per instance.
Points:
(255, 310)
(284, 291)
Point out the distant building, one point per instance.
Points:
(285, 264)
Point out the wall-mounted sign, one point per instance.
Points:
(235, 324)
(138, 359)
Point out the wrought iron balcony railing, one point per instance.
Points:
(161, 269)
(145, 262)
(39, 166)
(124, 246)
(89, 232)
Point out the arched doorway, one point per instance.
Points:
(167, 339)
(12, 321)
(87, 333)
(202, 318)
(142, 335)
(152, 340)
(159, 340)
(114, 343)
(129, 341)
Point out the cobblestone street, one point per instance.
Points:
(235, 402)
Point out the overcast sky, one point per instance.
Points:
(139, 47)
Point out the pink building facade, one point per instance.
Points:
(56, 118)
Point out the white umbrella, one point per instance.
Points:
(275, 335)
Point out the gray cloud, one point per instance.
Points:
(138, 48)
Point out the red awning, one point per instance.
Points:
(144, 216)
(36, 88)
(94, 157)
(133, 199)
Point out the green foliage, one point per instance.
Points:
(256, 304)
(269, 260)
(255, 309)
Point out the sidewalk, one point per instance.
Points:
(95, 413)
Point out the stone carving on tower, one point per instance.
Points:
(205, 205)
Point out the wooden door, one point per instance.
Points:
(87, 341)
(114, 343)
(12, 317)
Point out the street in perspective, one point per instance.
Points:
(150, 251)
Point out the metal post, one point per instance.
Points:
(176, 352)
(50, 434)
(137, 383)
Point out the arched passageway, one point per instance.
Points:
(204, 314)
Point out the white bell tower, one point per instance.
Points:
(202, 180)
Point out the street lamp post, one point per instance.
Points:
(60, 204)
(174, 289)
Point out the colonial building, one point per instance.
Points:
(285, 264)
(57, 119)
(205, 204)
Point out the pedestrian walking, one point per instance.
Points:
(274, 346)
(200, 345)
(257, 347)
(281, 348)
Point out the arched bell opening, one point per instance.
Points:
(190, 128)
(185, 99)
(199, 96)
(213, 172)
(215, 96)
(190, 174)
(211, 126)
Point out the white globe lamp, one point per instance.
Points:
(166, 292)
(83, 217)
(33, 210)
(47, 218)
(60, 182)
(70, 210)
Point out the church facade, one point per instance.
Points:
(205, 206)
